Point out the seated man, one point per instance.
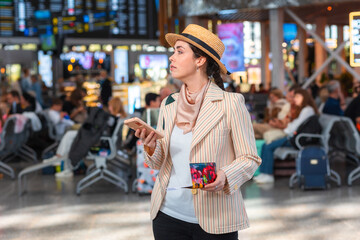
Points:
(60, 119)
(13, 99)
(335, 104)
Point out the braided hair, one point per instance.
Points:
(212, 68)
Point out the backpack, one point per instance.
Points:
(89, 134)
(310, 125)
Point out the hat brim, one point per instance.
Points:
(171, 38)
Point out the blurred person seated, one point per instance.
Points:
(335, 103)
(305, 107)
(75, 107)
(353, 110)
(152, 108)
(278, 109)
(252, 88)
(13, 99)
(4, 113)
(321, 98)
(60, 119)
(262, 88)
(117, 111)
(28, 102)
(278, 125)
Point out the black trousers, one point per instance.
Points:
(169, 228)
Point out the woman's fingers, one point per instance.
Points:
(143, 134)
(137, 133)
(149, 140)
(214, 187)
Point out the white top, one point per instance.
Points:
(60, 123)
(179, 203)
(305, 113)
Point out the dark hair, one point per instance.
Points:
(294, 87)
(14, 93)
(76, 96)
(57, 101)
(150, 97)
(308, 99)
(30, 99)
(212, 68)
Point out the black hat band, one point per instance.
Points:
(201, 43)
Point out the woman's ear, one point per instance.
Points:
(200, 61)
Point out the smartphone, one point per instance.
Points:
(136, 123)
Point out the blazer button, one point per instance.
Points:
(236, 187)
(194, 191)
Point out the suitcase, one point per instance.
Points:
(312, 167)
(145, 176)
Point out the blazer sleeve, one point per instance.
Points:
(157, 158)
(247, 160)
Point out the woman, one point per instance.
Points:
(202, 123)
(278, 109)
(305, 108)
(75, 107)
(116, 109)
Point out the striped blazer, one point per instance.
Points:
(223, 134)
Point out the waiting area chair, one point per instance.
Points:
(100, 170)
(327, 123)
(13, 144)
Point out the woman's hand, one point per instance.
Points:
(148, 141)
(219, 183)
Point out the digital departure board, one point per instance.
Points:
(80, 18)
(6, 18)
(355, 39)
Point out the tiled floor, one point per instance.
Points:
(52, 210)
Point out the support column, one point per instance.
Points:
(265, 59)
(276, 38)
(302, 56)
(57, 68)
(340, 33)
(320, 54)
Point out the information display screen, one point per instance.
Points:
(45, 68)
(7, 19)
(121, 66)
(355, 39)
(80, 18)
(153, 61)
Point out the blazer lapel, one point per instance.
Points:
(209, 114)
(169, 119)
(168, 125)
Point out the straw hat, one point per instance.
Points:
(202, 39)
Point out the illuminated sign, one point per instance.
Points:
(232, 35)
(355, 39)
(153, 61)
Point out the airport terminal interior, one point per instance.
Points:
(73, 72)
